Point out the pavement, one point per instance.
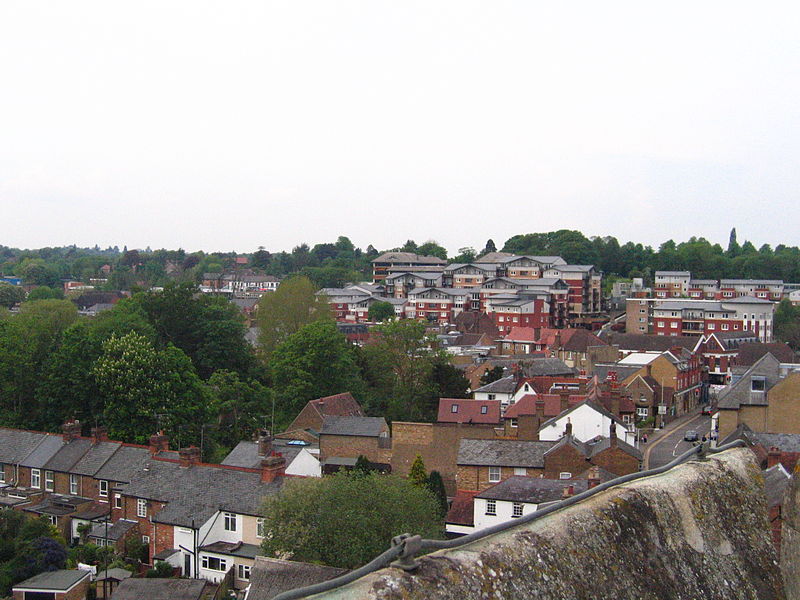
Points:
(665, 444)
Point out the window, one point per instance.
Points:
(2, 473)
(244, 572)
(711, 327)
(103, 488)
(484, 409)
(758, 384)
(73, 484)
(514, 423)
(141, 507)
(36, 478)
(520, 471)
(53, 519)
(454, 408)
(724, 327)
(516, 510)
(230, 522)
(48, 481)
(212, 563)
(660, 324)
(260, 528)
(117, 501)
(492, 396)
(491, 507)
(494, 474)
(565, 475)
(642, 411)
(673, 325)
(145, 539)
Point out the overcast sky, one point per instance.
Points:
(230, 125)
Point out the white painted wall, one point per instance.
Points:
(587, 423)
(504, 511)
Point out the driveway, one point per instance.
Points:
(671, 444)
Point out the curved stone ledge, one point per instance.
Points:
(696, 532)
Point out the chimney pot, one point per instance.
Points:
(99, 434)
(189, 456)
(272, 467)
(159, 443)
(265, 443)
(71, 430)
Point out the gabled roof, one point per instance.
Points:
(124, 463)
(68, 455)
(408, 257)
(639, 342)
(469, 411)
(504, 385)
(533, 490)
(521, 334)
(740, 392)
(595, 446)
(136, 588)
(552, 405)
(502, 453)
(461, 510)
(587, 402)
(245, 454)
(16, 444)
(196, 493)
(355, 426)
(43, 452)
(776, 480)
(750, 352)
(341, 405)
(56, 581)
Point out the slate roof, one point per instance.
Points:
(43, 452)
(546, 366)
(196, 493)
(673, 274)
(15, 445)
(595, 446)
(651, 343)
(124, 463)
(623, 371)
(95, 458)
(469, 411)
(137, 588)
(116, 574)
(533, 490)
(342, 405)
(504, 385)
(738, 393)
(68, 455)
(356, 426)
(245, 454)
(60, 580)
(776, 480)
(270, 576)
(750, 352)
(502, 453)
(116, 530)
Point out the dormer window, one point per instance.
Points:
(758, 384)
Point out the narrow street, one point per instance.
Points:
(670, 442)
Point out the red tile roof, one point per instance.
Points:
(469, 411)
(461, 509)
(340, 405)
(521, 334)
(552, 405)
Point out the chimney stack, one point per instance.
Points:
(540, 407)
(612, 434)
(272, 467)
(71, 430)
(159, 443)
(568, 428)
(189, 456)
(99, 434)
(594, 476)
(568, 492)
(773, 456)
(265, 443)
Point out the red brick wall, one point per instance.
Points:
(566, 459)
(616, 461)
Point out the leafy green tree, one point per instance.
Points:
(465, 255)
(398, 365)
(448, 380)
(287, 309)
(316, 361)
(489, 247)
(145, 388)
(381, 311)
(44, 293)
(237, 405)
(417, 475)
(436, 488)
(10, 294)
(431, 248)
(491, 375)
(345, 521)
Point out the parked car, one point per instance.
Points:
(706, 410)
(691, 436)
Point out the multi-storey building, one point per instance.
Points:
(671, 284)
(403, 261)
(585, 287)
(468, 275)
(437, 305)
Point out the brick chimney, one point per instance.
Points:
(71, 430)
(568, 428)
(594, 477)
(612, 434)
(568, 492)
(615, 402)
(189, 456)
(540, 407)
(773, 456)
(564, 397)
(265, 443)
(159, 443)
(272, 467)
(99, 434)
